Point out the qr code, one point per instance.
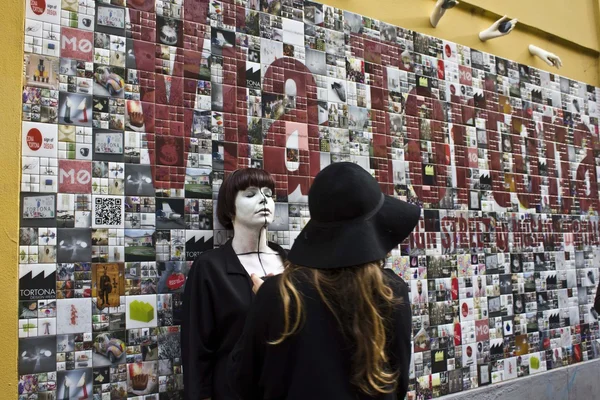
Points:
(107, 211)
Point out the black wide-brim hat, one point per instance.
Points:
(352, 221)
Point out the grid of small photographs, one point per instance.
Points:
(135, 111)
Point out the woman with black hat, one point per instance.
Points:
(218, 292)
(335, 324)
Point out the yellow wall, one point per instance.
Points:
(461, 25)
(11, 61)
(574, 21)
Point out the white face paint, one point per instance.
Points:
(254, 207)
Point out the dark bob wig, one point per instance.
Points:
(240, 179)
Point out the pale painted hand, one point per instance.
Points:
(440, 8)
(549, 58)
(552, 60)
(446, 4)
(494, 31)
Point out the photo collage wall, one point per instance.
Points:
(134, 111)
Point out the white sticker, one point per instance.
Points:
(39, 140)
(43, 10)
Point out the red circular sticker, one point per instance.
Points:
(448, 51)
(34, 139)
(175, 281)
(469, 351)
(38, 6)
(465, 310)
(577, 353)
(547, 343)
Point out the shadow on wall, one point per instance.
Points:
(571, 383)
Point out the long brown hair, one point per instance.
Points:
(361, 302)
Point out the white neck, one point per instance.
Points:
(246, 239)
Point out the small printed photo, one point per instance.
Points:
(109, 81)
(142, 378)
(172, 8)
(388, 33)
(169, 150)
(28, 309)
(165, 367)
(46, 308)
(37, 355)
(421, 341)
(270, 50)
(353, 23)
(169, 31)
(337, 91)
(109, 348)
(134, 117)
(76, 384)
(140, 245)
(198, 183)
(466, 310)
(217, 97)
(141, 311)
(108, 284)
(37, 209)
(501, 66)
(41, 71)
(474, 200)
(519, 303)
(73, 316)
(271, 6)
(110, 19)
(281, 218)
(516, 263)
(273, 106)
(170, 213)
(589, 277)
(172, 276)
(199, 214)
(28, 236)
(479, 283)
(65, 343)
(74, 245)
(138, 180)
(313, 14)
(432, 220)
(315, 61)
(429, 174)
(108, 143)
(75, 109)
(418, 291)
(101, 374)
(469, 353)
(222, 41)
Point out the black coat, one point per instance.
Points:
(314, 363)
(217, 297)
